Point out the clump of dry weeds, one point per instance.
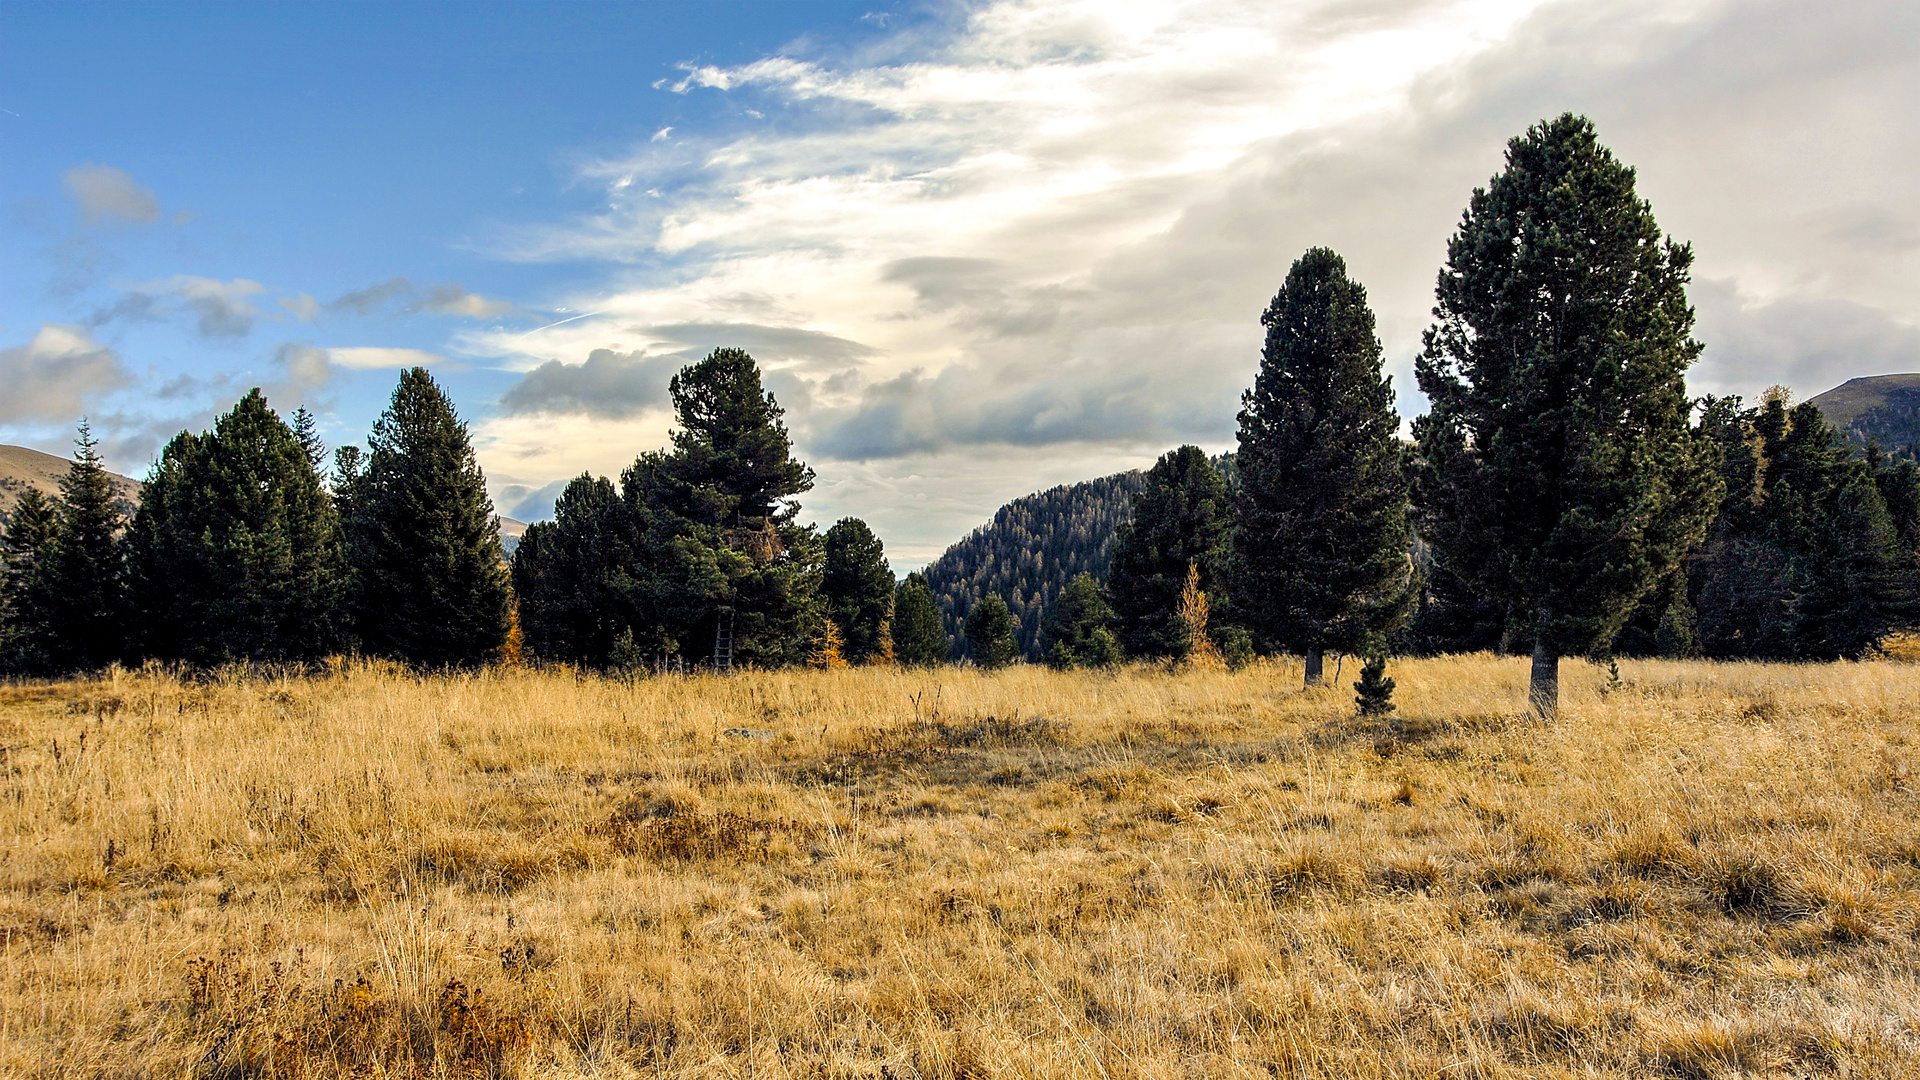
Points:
(1701, 871)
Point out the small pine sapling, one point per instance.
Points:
(1374, 691)
(1193, 617)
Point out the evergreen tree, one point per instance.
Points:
(919, 639)
(430, 583)
(731, 450)
(1373, 694)
(574, 577)
(1181, 519)
(826, 653)
(24, 629)
(235, 551)
(1076, 631)
(1196, 618)
(858, 589)
(306, 433)
(990, 633)
(1560, 475)
(80, 589)
(1320, 525)
(1804, 561)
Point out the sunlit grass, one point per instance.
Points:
(1709, 871)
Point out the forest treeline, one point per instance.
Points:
(1563, 496)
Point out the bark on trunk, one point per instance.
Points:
(1316, 664)
(1543, 693)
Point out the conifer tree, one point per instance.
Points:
(575, 576)
(858, 589)
(919, 639)
(990, 633)
(306, 433)
(1181, 519)
(235, 552)
(430, 582)
(1373, 694)
(80, 589)
(1804, 561)
(24, 631)
(1320, 525)
(1195, 618)
(1560, 475)
(1076, 632)
(827, 655)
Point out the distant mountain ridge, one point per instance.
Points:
(1882, 409)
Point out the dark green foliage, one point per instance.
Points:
(573, 577)
(1373, 694)
(305, 433)
(919, 639)
(697, 535)
(235, 553)
(1447, 616)
(1235, 645)
(730, 458)
(1181, 518)
(24, 633)
(991, 631)
(79, 589)
(430, 585)
(1804, 561)
(1560, 477)
(1076, 632)
(1320, 524)
(858, 588)
(1030, 550)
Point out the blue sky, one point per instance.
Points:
(979, 248)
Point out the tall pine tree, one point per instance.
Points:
(429, 581)
(1320, 530)
(858, 587)
(990, 633)
(1076, 632)
(574, 576)
(24, 627)
(919, 636)
(1181, 518)
(80, 589)
(235, 552)
(1560, 475)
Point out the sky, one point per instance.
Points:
(979, 249)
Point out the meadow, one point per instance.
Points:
(1700, 871)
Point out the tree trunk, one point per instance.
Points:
(1543, 693)
(1316, 664)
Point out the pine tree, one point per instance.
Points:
(24, 629)
(1320, 525)
(1374, 692)
(1181, 519)
(423, 542)
(575, 576)
(990, 633)
(81, 587)
(1560, 475)
(306, 433)
(919, 639)
(235, 552)
(1804, 561)
(1076, 632)
(858, 589)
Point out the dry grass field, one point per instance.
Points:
(1703, 871)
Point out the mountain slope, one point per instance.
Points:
(1882, 409)
(1030, 550)
(21, 468)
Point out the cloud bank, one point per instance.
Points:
(57, 376)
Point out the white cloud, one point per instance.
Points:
(1057, 228)
(303, 307)
(222, 307)
(54, 377)
(373, 358)
(105, 193)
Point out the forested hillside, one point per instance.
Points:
(1031, 549)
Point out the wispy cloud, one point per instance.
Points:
(222, 308)
(448, 299)
(107, 194)
(366, 358)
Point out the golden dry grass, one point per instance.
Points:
(1708, 871)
